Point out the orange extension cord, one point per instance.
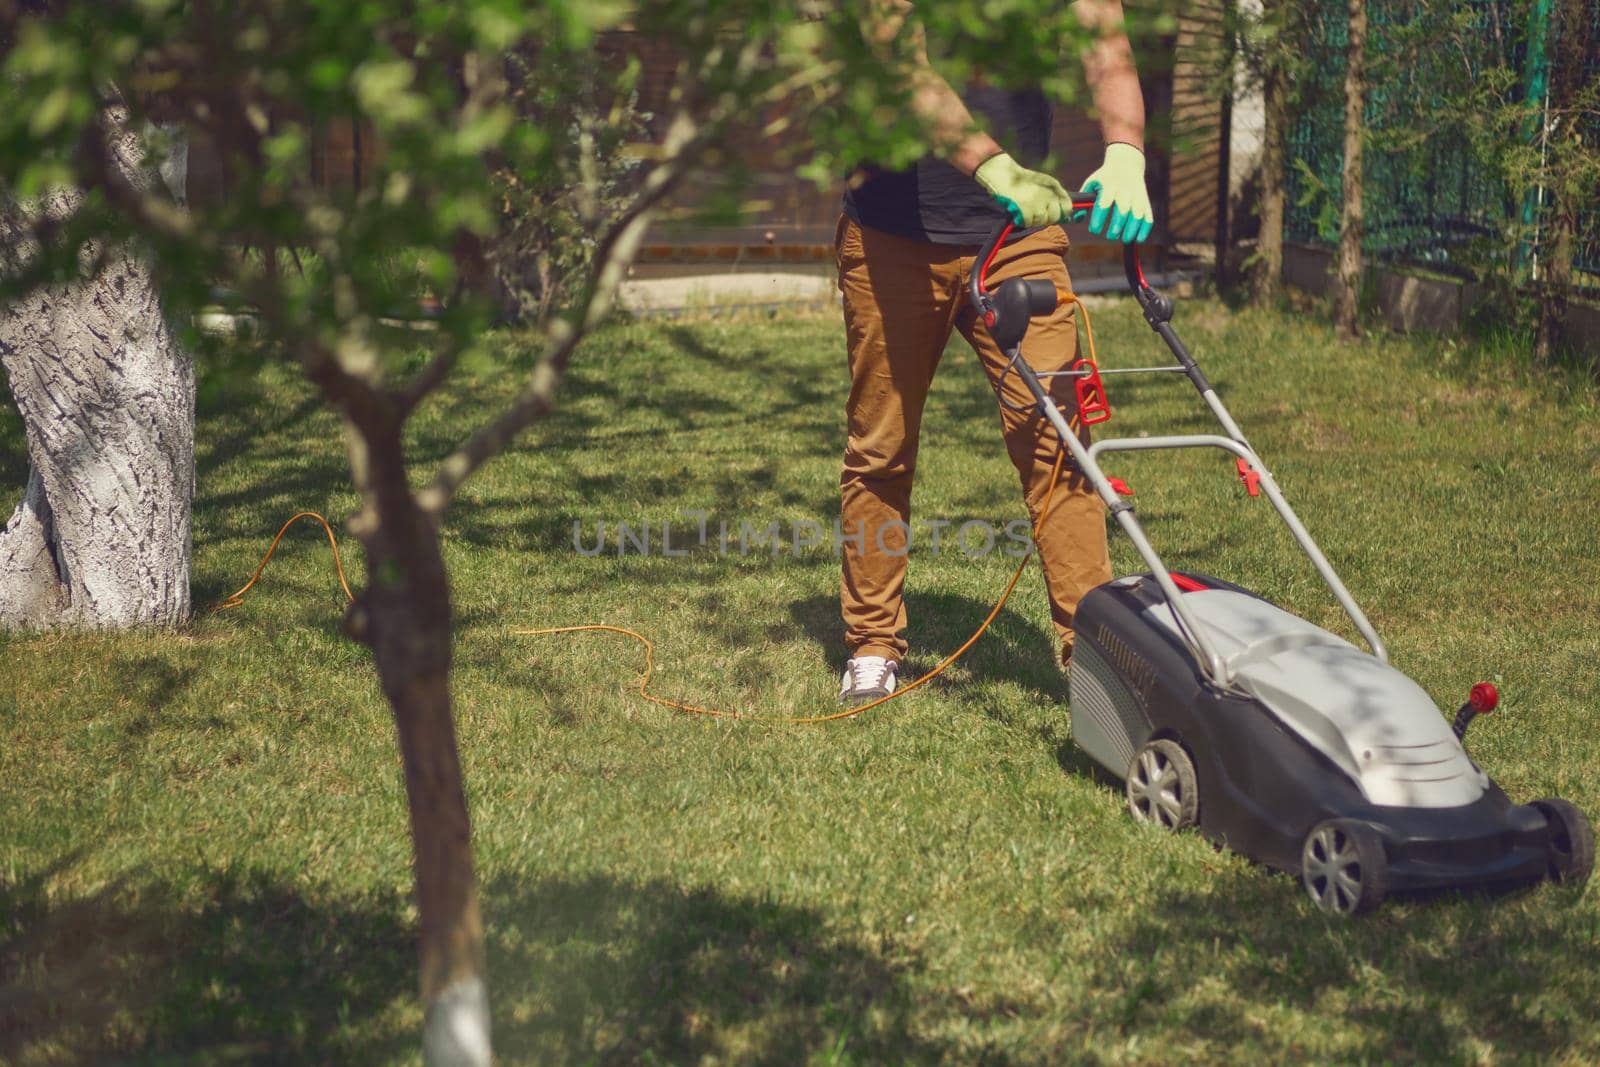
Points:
(238, 598)
(649, 649)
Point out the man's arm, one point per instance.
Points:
(956, 137)
(1113, 79)
(1121, 197)
(1031, 197)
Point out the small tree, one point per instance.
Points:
(1272, 53)
(1572, 167)
(1523, 131)
(1347, 288)
(259, 78)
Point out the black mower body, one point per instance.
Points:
(1262, 788)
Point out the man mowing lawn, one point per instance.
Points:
(904, 248)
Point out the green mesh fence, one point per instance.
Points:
(1588, 257)
(1427, 200)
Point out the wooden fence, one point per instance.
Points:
(795, 220)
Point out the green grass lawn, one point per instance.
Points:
(203, 843)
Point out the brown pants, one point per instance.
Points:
(902, 297)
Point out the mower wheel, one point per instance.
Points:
(1162, 789)
(1344, 868)
(1570, 847)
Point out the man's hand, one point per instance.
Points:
(1032, 198)
(1120, 193)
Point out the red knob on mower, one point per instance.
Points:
(1480, 701)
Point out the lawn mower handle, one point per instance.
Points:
(978, 283)
(1007, 315)
(1006, 312)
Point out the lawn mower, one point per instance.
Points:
(1274, 737)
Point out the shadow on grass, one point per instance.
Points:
(153, 682)
(1437, 980)
(214, 451)
(1012, 648)
(596, 970)
(1056, 735)
(228, 966)
(252, 967)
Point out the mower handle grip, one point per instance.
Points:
(1083, 200)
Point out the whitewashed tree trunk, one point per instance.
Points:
(101, 538)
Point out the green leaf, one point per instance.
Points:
(383, 90)
(484, 131)
(52, 111)
(328, 73)
(497, 28)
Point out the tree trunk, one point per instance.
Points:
(1267, 277)
(1572, 37)
(101, 538)
(405, 616)
(1347, 308)
(1555, 282)
(1222, 239)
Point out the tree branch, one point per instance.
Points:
(537, 398)
(426, 380)
(685, 139)
(682, 145)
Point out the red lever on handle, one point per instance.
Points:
(1249, 476)
(1092, 404)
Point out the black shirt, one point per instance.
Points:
(932, 201)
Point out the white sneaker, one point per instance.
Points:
(867, 678)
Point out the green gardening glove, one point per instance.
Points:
(1032, 198)
(1120, 193)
